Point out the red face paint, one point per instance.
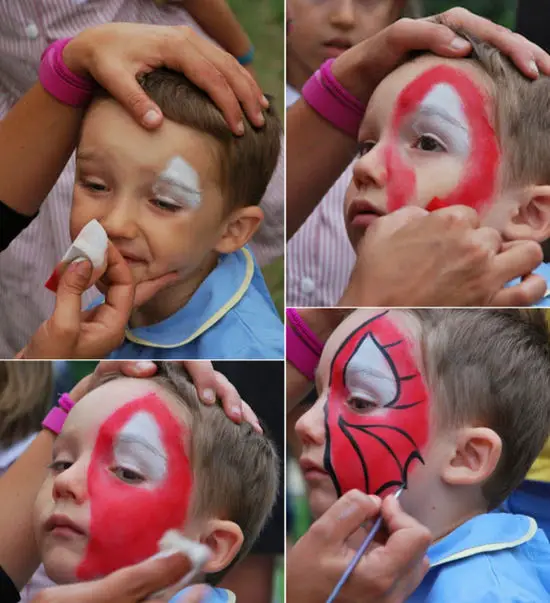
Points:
(374, 451)
(128, 520)
(477, 186)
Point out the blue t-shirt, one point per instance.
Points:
(492, 558)
(215, 595)
(230, 316)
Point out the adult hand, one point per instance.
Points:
(211, 385)
(128, 585)
(115, 53)
(362, 68)
(72, 333)
(387, 572)
(412, 258)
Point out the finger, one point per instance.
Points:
(395, 221)
(122, 84)
(230, 398)
(203, 375)
(487, 238)
(142, 368)
(517, 261)
(527, 293)
(459, 215)
(148, 289)
(250, 417)
(195, 594)
(138, 581)
(345, 516)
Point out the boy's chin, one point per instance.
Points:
(320, 501)
(61, 566)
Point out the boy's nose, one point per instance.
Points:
(71, 484)
(371, 168)
(120, 221)
(310, 427)
(343, 14)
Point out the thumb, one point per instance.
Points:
(74, 281)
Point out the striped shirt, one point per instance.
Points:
(26, 28)
(320, 257)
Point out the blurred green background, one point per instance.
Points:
(499, 11)
(263, 21)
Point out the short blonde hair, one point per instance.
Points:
(26, 389)
(236, 469)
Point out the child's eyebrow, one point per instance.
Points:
(436, 110)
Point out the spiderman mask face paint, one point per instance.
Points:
(376, 411)
(120, 478)
(426, 140)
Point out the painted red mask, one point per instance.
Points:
(127, 520)
(374, 451)
(440, 90)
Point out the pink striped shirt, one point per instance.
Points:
(319, 257)
(26, 28)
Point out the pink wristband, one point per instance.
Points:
(325, 95)
(57, 79)
(303, 347)
(55, 419)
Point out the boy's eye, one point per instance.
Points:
(59, 466)
(429, 143)
(97, 187)
(165, 204)
(128, 475)
(361, 405)
(364, 147)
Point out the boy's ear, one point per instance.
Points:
(225, 539)
(475, 457)
(239, 228)
(532, 222)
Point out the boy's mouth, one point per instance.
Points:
(362, 213)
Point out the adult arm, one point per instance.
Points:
(314, 150)
(39, 134)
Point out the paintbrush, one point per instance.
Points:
(360, 552)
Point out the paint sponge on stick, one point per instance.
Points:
(91, 243)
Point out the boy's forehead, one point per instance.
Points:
(384, 98)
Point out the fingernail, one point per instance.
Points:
(265, 102)
(151, 118)
(208, 395)
(240, 128)
(258, 427)
(80, 266)
(533, 68)
(460, 44)
(144, 365)
(236, 410)
(261, 119)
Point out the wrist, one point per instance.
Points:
(355, 73)
(76, 56)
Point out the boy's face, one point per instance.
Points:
(427, 139)
(370, 427)
(323, 29)
(117, 179)
(120, 478)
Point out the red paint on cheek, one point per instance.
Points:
(128, 520)
(478, 183)
(375, 451)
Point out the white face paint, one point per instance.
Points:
(91, 243)
(178, 185)
(369, 375)
(441, 115)
(139, 448)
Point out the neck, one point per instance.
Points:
(297, 72)
(174, 297)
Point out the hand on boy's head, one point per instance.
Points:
(455, 261)
(114, 53)
(365, 65)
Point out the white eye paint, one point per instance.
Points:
(369, 373)
(139, 447)
(178, 184)
(91, 243)
(441, 113)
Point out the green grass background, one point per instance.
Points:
(263, 21)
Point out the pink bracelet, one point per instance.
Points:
(303, 347)
(55, 419)
(326, 95)
(57, 79)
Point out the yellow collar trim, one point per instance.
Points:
(214, 318)
(490, 548)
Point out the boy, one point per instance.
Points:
(474, 131)
(183, 199)
(453, 405)
(136, 458)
